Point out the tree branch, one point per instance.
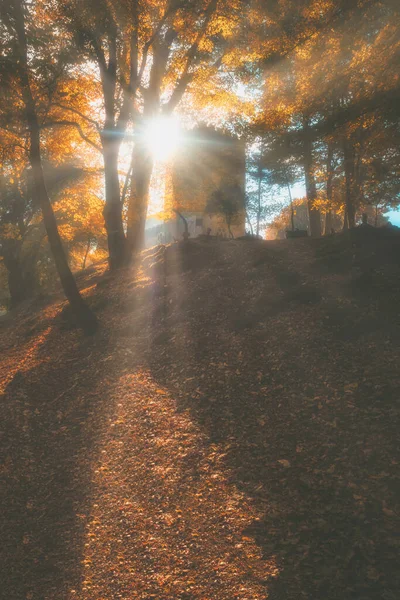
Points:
(80, 114)
(72, 124)
(171, 9)
(191, 58)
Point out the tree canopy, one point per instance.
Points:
(311, 87)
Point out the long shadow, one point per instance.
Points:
(280, 396)
(51, 415)
(287, 401)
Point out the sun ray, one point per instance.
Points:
(163, 136)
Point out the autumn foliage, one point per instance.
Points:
(310, 87)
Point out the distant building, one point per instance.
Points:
(207, 160)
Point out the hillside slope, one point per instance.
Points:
(230, 432)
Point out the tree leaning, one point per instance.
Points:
(14, 16)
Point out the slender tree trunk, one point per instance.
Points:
(348, 152)
(83, 314)
(311, 187)
(86, 253)
(249, 223)
(291, 204)
(113, 207)
(185, 224)
(138, 200)
(329, 191)
(259, 203)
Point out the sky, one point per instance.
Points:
(394, 217)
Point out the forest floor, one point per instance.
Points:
(230, 432)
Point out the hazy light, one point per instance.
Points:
(163, 137)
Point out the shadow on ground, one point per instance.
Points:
(298, 391)
(269, 352)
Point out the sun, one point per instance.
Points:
(163, 137)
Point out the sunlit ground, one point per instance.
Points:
(165, 520)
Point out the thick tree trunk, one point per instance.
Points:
(348, 152)
(113, 206)
(345, 220)
(314, 214)
(139, 199)
(85, 318)
(376, 215)
(328, 223)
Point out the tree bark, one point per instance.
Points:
(84, 316)
(113, 208)
(138, 200)
(345, 220)
(311, 187)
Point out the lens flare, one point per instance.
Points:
(163, 137)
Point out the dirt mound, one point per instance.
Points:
(232, 427)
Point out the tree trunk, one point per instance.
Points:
(348, 152)
(85, 318)
(291, 204)
(22, 283)
(259, 202)
(345, 220)
(185, 224)
(314, 215)
(329, 191)
(249, 223)
(86, 253)
(113, 208)
(328, 222)
(138, 200)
